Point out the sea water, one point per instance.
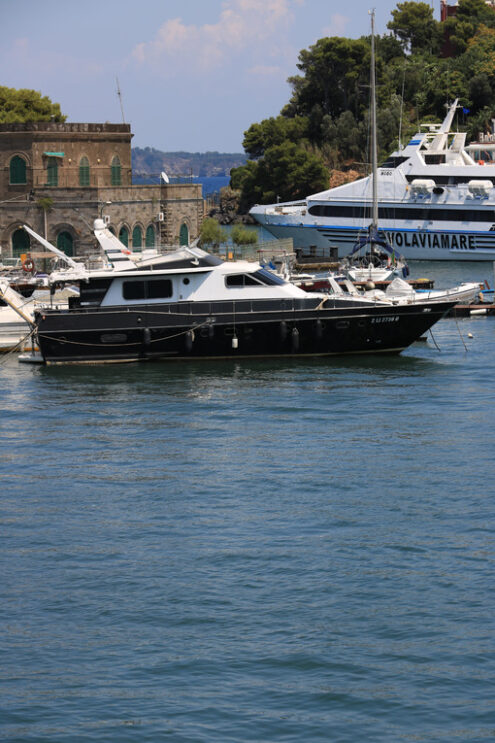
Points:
(275, 550)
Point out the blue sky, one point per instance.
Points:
(193, 74)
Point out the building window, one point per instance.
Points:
(115, 172)
(184, 234)
(84, 171)
(137, 238)
(65, 243)
(150, 236)
(124, 236)
(52, 172)
(20, 243)
(18, 170)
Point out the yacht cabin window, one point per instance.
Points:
(150, 289)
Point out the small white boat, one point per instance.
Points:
(17, 312)
(399, 292)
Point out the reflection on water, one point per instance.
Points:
(250, 550)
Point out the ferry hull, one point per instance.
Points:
(304, 327)
(334, 242)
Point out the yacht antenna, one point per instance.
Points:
(373, 125)
(120, 100)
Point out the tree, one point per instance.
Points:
(27, 105)
(243, 236)
(414, 25)
(286, 172)
(211, 233)
(273, 131)
(336, 71)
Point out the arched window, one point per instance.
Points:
(20, 243)
(65, 243)
(84, 171)
(52, 172)
(150, 236)
(137, 238)
(124, 236)
(115, 172)
(184, 234)
(18, 170)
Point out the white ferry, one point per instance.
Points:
(436, 201)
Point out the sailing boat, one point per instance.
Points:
(372, 257)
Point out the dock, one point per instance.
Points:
(473, 310)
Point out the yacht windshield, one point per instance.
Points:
(267, 277)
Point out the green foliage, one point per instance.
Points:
(45, 203)
(243, 236)
(27, 105)
(211, 233)
(325, 124)
(414, 25)
(334, 73)
(272, 132)
(287, 171)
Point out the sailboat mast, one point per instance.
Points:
(373, 126)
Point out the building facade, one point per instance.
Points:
(58, 178)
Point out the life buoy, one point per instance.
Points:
(481, 162)
(28, 265)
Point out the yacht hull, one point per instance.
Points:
(314, 326)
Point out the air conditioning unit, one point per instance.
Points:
(160, 217)
(106, 218)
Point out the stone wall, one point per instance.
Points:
(174, 211)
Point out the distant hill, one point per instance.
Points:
(149, 161)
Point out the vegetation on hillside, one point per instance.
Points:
(420, 66)
(150, 161)
(27, 105)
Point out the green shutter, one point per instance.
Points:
(18, 170)
(150, 236)
(115, 172)
(184, 235)
(124, 236)
(137, 238)
(20, 243)
(52, 172)
(65, 243)
(84, 171)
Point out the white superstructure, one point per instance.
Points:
(435, 202)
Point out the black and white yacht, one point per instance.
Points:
(190, 304)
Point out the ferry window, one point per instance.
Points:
(394, 162)
(415, 213)
(133, 290)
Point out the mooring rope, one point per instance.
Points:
(13, 350)
(125, 345)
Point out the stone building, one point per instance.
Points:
(58, 178)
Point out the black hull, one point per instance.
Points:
(305, 327)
